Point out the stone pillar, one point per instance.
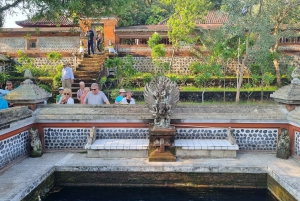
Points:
(161, 144)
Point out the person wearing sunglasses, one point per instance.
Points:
(95, 96)
(66, 98)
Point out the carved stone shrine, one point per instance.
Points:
(161, 95)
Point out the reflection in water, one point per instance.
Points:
(157, 194)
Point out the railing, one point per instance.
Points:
(295, 40)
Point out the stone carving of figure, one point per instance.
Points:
(283, 148)
(161, 94)
(296, 75)
(35, 143)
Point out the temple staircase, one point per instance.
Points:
(89, 70)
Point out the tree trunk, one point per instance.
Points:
(241, 72)
(240, 81)
(277, 69)
(224, 95)
(203, 95)
(274, 49)
(262, 91)
(173, 52)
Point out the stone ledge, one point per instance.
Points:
(205, 144)
(120, 144)
(82, 113)
(14, 114)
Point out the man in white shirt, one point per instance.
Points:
(67, 78)
(95, 96)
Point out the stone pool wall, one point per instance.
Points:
(13, 147)
(297, 143)
(246, 138)
(254, 127)
(76, 138)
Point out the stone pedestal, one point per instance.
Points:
(161, 144)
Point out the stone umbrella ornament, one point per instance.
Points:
(289, 94)
(28, 94)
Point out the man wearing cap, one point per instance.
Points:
(67, 77)
(128, 99)
(120, 97)
(60, 91)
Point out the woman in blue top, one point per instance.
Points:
(3, 103)
(120, 97)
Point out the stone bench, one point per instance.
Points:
(116, 148)
(205, 148)
(207, 144)
(138, 148)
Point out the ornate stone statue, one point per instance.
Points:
(35, 143)
(283, 148)
(296, 75)
(161, 95)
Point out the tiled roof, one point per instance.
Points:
(213, 17)
(143, 28)
(62, 22)
(159, 28)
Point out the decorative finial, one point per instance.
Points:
(28, 74)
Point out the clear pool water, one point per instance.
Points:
(157, 194)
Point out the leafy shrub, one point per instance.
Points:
(54, 56)
(114, 93)
(183, 79)
(102, 81)
(173, 78)
(47, 88)
(147, 77)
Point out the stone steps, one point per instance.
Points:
(88, 69)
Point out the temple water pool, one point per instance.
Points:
(157, 194)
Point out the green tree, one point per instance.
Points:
(28, 63)
(216, 50)
(70, 8)
(138, 12)
(282, 14)
(246, 20)
(204, 73)
(3, 78)
(183, 20)
(123, 68)
(158, 51)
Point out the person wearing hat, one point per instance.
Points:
(60, 91)
(120, 97)
(128, 99)
(67, 77)
(3, 103)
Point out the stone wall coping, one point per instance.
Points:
(13, 114)
(96, 113)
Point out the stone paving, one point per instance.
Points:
(17, 181)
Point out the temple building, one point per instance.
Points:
(37, 38)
